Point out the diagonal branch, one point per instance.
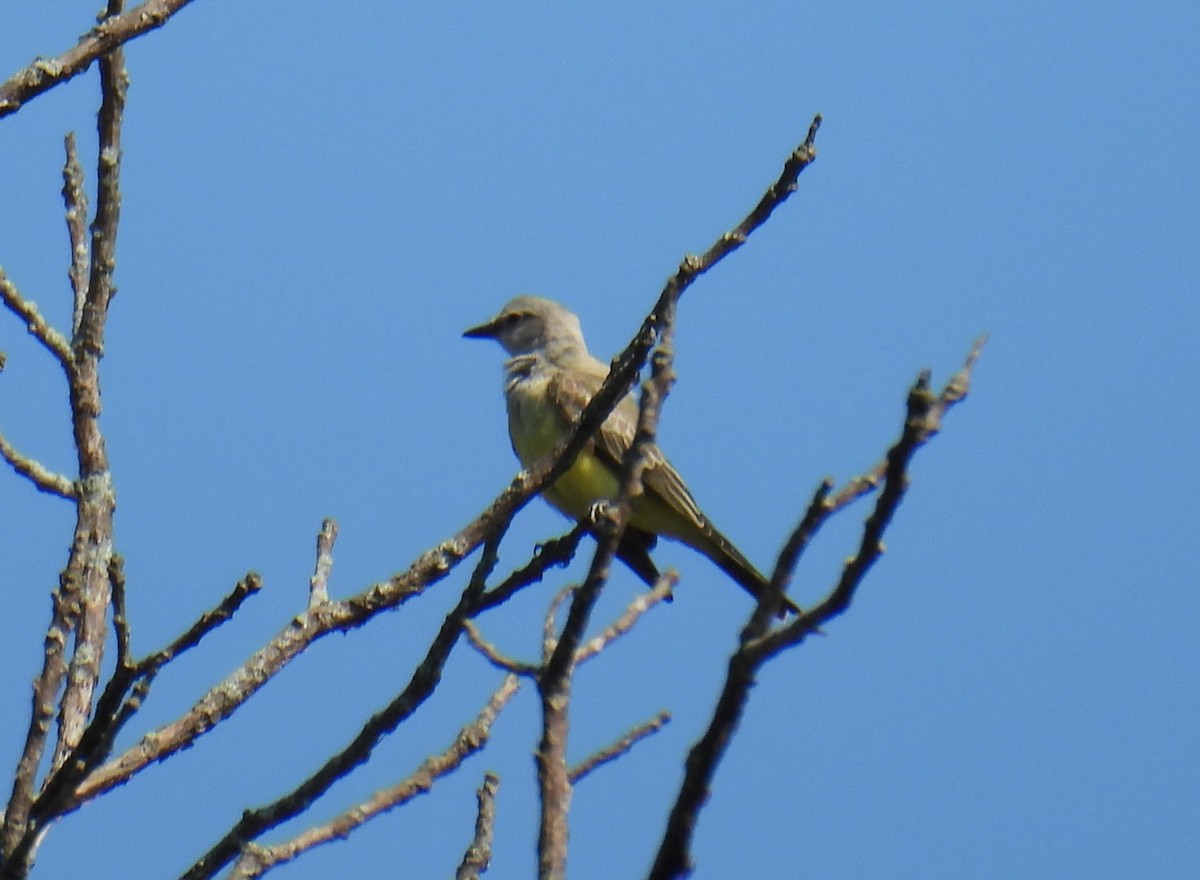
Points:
(43, 478)
(53, 341)
(661, 592)
(123, 696)
(424, 680)
(111, 32)
(257, 860)
(557, 551)
(610, 753)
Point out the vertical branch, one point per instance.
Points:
(85, 589)
(318, 584)
(479, 854)
(64, 612)
(82, 599)
(76, 200)
(554, 684)
(92, 548)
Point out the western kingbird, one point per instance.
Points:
(549, 378)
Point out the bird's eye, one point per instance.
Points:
(511, 319)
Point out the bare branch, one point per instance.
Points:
(93, 546)
(45, 688)
(27, 310)
(84, 594)
(425, 678)
(122, 698)
(923, 419)
(116, 577)
(494, 656)
(479, 854)
(627, 365)
(257, 860)
(632, 614)
(554, 684)
(226, 697)
(557, 551)
(75, 198)
(318, 584)
(44, 479)
(549, 625)
(620, 747)
(819, 510)
(205, 624)
(111, 32)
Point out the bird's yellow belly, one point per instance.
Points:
(535, 434)
(537, 430)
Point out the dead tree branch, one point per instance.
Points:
(610, 753)
(479, 854)
(759, 644)
(257, 860)
(425, 678)
(112, 31)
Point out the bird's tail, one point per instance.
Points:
(730, 560)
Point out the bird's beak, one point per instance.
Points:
(483, 331)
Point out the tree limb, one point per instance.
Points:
(111, 32)
(758, 644)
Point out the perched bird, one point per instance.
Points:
(549, 378)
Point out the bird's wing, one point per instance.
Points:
(573, 388)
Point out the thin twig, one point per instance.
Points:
(75, 198)
(493, 655)
(611, 752)
(479, 854)
(318, 584)
(116, 576)
(43, 478)
(818, 512)
(549, 622)
(205, 624)
(633, 613)
(38, 327)
(555, 552)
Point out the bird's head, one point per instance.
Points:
(532, 325)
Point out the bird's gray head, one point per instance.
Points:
(532, 325)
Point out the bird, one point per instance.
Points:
(549, 378)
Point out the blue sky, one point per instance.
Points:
(318, 200)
